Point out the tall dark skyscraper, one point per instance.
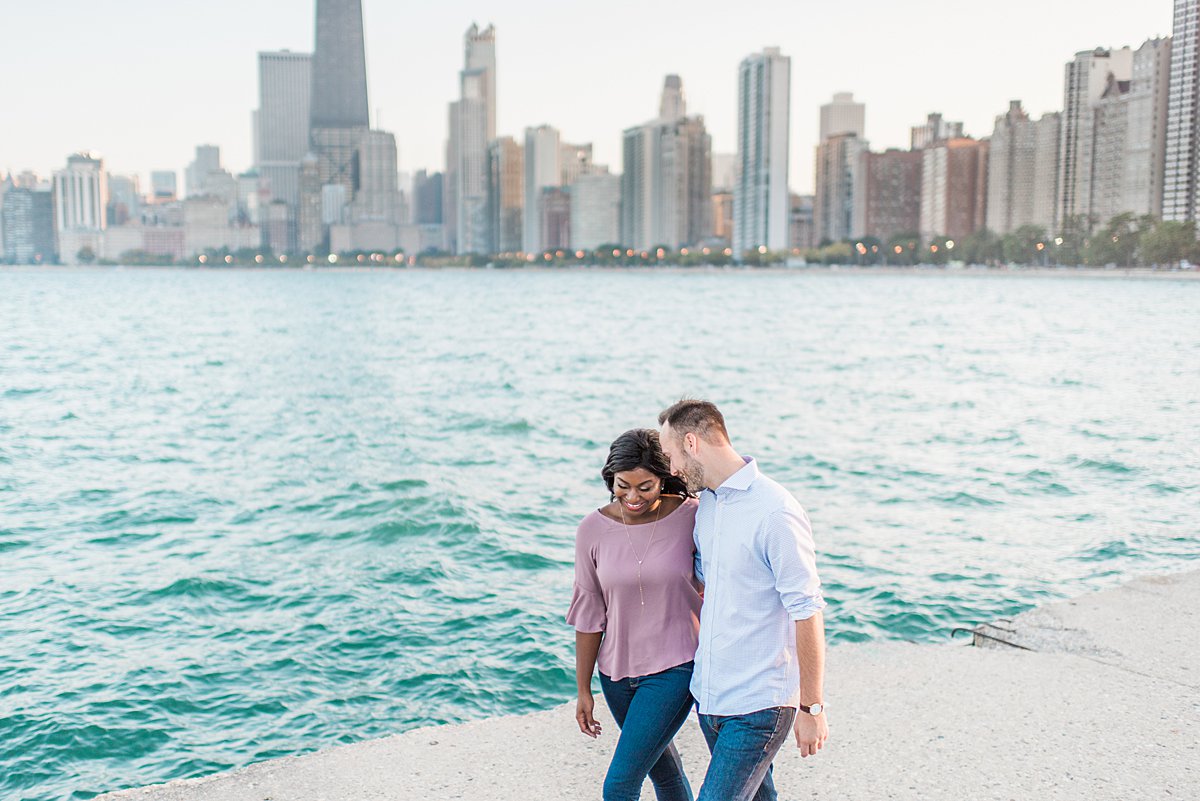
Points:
(339, 116)
(339, 67)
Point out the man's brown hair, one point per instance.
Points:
(699, 417)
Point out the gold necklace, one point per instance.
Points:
(629, 537)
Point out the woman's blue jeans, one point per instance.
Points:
(649, 710)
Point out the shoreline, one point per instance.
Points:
(1136, 273)
(1098, 701)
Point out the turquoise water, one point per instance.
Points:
(249, 514)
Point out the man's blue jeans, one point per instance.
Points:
(742, 748)
(649, 710)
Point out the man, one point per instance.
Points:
(760, 666)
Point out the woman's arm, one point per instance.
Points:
(587, 645)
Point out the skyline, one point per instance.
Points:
(548, 79)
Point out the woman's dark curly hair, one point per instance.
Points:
(636, 448)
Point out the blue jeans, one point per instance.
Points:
(742, 748)
(649, 710)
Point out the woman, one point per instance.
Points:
(636, 613)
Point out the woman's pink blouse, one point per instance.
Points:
(638, 639)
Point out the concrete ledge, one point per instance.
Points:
(1105, 705)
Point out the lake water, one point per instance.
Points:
(247, 514)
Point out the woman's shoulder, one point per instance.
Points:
(688, 508)
(591, 525)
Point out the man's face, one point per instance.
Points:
(683, 464)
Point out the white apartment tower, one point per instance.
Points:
(473, 127)
(543, 170)
(1022, 171)
(842, 115)
(1088, 77)
(760, 197)
(1181, 189)
(281, 123)
(80, 198)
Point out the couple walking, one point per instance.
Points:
(712, 601)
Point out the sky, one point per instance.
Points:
(142, 82)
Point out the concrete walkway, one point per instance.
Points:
(1106, 705)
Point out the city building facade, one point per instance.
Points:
(1181, 186)
(761, 213)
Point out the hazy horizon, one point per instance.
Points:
(182, 80)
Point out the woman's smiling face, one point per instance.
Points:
(638, 491)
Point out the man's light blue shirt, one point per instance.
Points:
(755, 555)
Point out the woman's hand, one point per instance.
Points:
(584, 708)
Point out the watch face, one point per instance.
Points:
(816, 709)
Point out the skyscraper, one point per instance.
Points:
(339, 118)
(843, 115)
(80, 198)
(543, 170)
(936, 128)
(1088, 77)
(506, 194)
(760, 198)
(339, 67)
(27, 219)
(1181, 189)
(666, 193)
(472, 127)
(1022, 171)
(839, 203)
(953, 188)
(285, 83)
(891, 194)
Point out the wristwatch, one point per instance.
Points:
(814, 710)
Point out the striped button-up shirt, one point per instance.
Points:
(755, 555)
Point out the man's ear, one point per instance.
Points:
(691, 443)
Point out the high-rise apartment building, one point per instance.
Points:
(472, 127)
(543, 170)
(506, 194)
(27, 220)
(761, 215)
(1129, 130)
(80, 200)
(666, 192)
(1143, 177)
(1022, 171)
(282, 125)
(595, 211)
(1088, 78)
(935, 129)
(378, 197)
(891, 194)
(842, 115)
(1181, 188)
(840, 187)
(802, 230)
(953, 188)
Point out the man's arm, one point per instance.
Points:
(811, 730)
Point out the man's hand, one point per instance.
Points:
(811, 732)
(583, 716)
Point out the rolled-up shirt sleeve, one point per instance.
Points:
(791, 554)
(588, 612)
